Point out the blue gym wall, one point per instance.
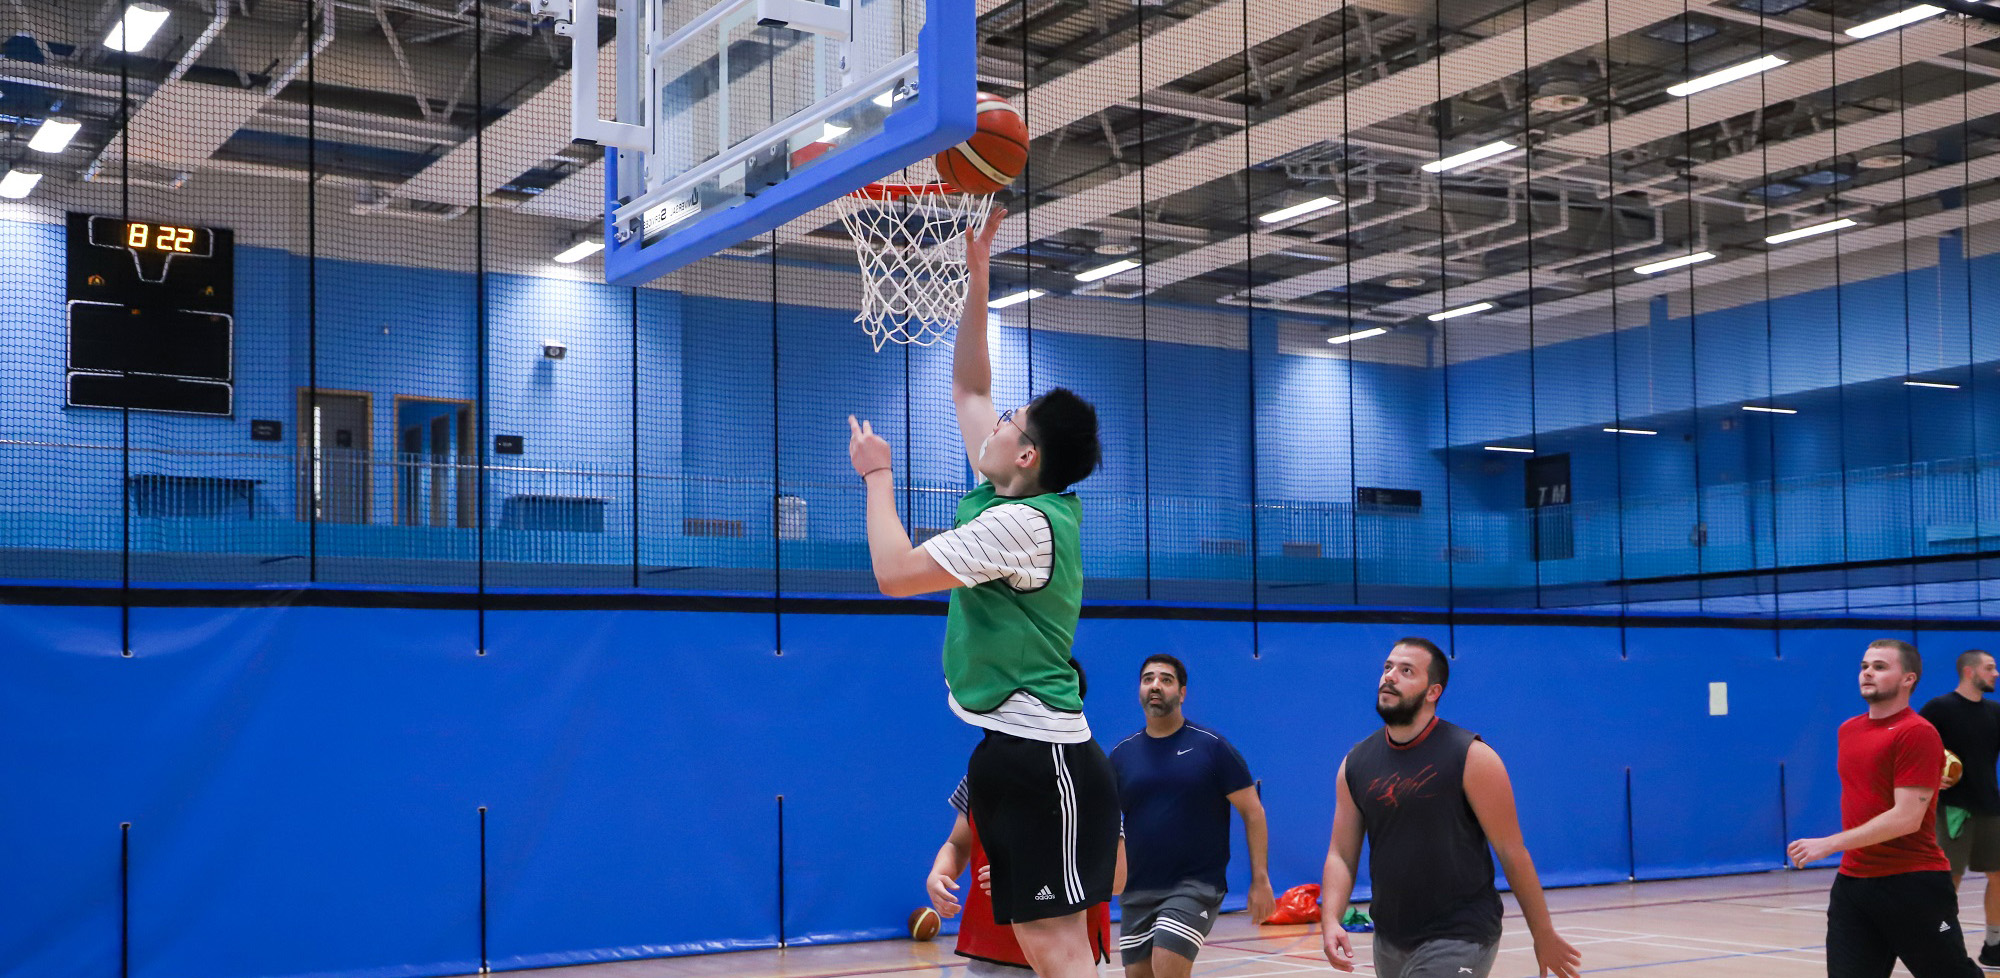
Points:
(303, 785)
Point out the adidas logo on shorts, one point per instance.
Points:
(1045, 894)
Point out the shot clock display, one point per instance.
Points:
(151, 316)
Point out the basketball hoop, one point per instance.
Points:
(909, 239)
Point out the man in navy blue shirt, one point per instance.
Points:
(1176, 784)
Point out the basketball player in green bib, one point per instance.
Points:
(1043, 794)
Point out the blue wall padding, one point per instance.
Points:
(1541, 697)
(306, 790)
(866, 755)
(1821, 687)
(304, 783)
(1686, 763)
(1314, 701)
(65, 696)
(633, 777)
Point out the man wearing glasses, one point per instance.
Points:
(1042, 793)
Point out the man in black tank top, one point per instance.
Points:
(1431, 797)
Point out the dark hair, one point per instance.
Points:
(1969, 659)
(1082, 681)
(1440, 670)
(1912, 662)
(1063, 427)
(1180, 671)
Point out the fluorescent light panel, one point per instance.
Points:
(1726, 75)
(1438, 317)
(1901, 18)
(1299, 210)
(1015, 299)
(1631, 431)
(18, 183)
(1468, 157)
(1106, 271)
(1505, 448)
(140, 23)
(1810, 230)
(54, 135)
(579, 251)
(1351, 337)
(1672, 263)
(1769, 410)
(1908, 383)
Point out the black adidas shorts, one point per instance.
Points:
(1048, 818)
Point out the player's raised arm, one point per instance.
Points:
(971, 364)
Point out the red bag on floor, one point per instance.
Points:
(1298, 905)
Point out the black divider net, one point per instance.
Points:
(286, 310)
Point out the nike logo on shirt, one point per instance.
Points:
(1180, 752)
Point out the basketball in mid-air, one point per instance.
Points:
(994, 156)
(924, 924)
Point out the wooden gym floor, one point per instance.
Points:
(1767, 925)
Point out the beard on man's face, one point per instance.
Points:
(1400, 712)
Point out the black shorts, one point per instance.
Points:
(1873, 921)
(1048, 818)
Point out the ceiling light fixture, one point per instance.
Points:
(1901, 18)
(1726, 75)
(1908, 383)
(1631, 431)
(1769, 410)
(1351, 337)
(1672, 263)
(1469, 157)
(579, 251)
(1015, 299)
(1106, 271)
(54, 135)
(1438, 317)
(1810, 230)
(140, 23)
(1299, 210)
(1505, 448)
(18, 183)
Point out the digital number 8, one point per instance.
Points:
(135, 235)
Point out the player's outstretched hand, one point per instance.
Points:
(1339, 949)
(1806, 851)
(866, 449)
(979, 241)
(1555, 956)
(940, 887)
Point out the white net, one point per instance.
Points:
(911, 247)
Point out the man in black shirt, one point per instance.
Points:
(1968, 815)
(1431, 797)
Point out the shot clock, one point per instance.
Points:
(151, 316)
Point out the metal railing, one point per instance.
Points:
(272, 505)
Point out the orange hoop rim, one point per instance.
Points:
(896, 191)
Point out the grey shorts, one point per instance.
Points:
(1435, 959)
(1978, 844)
(1174, 920)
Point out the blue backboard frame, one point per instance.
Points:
(943, 114)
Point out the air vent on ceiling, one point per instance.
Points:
(1769, 6)
(1683, 30)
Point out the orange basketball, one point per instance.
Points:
(924, 924)
(994, 156)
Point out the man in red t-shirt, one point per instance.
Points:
(1893, 897)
